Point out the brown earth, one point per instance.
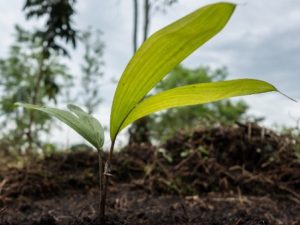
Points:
(236, 175)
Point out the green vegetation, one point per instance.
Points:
(58, 24)
(152, 62)
(29, 76)
(91, 69)
(163, 125)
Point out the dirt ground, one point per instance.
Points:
(235, 175)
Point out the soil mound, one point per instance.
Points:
(243, 174)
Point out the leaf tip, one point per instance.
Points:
(230, 4)
(294, 100)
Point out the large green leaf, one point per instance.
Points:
(161, 53)
(197, 94)
(83, 123)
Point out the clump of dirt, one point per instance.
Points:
(50, 176)
(247, 145)
(245, 158)
(243, 174)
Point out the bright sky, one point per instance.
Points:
(260, 41)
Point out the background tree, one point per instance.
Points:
(19, 71)
(34, 71)
(58, 27)
(91, 70)
(166, 123)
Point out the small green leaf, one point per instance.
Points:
(83, 123)
(197, 94)
(161, 53)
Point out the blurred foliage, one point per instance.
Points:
(49, 149)
(19, 73)
(293, 133)
(165, 124)
(91, 70)
(162, 5)
(28, 76)
(35, 72)
(80, 148)
(58, 15)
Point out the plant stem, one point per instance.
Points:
(105, 179)
(101, 208)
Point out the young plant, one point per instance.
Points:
(152, 62)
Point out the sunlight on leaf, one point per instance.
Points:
(197, 94)
(161, 53)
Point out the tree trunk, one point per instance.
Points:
(34, 101)
(147, 8)
(135, 24)
(139, 131)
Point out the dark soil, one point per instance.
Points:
(234, 175)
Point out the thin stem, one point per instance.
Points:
(101, 207)
(111, 149)
(107, 169)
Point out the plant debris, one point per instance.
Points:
(242, 174)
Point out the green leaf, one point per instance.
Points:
(83, 123)
(197, 94)
(161, 53)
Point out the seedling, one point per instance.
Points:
(152, 62)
